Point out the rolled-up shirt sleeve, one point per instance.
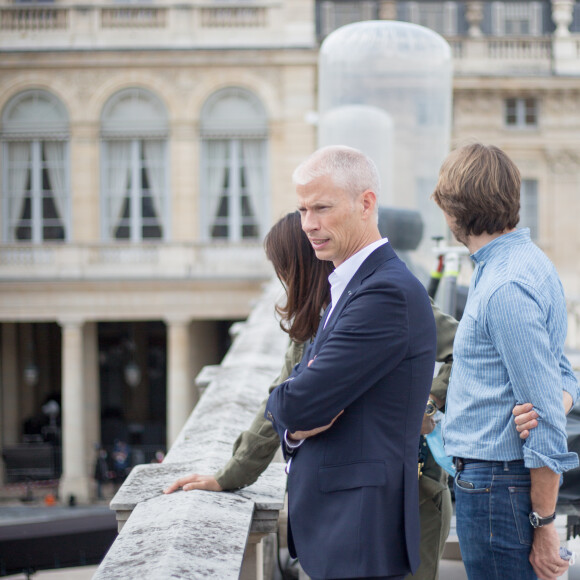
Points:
(516, 320)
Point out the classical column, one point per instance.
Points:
(179, 384)
(75, 480)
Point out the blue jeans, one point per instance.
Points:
(492, 501)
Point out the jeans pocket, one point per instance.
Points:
(469, 484)
(521, 507)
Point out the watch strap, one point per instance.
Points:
(538, 521)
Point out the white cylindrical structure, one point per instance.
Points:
(404, 70)
(367, 128)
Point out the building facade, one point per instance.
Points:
(147, 148)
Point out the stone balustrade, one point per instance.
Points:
(34, 18)
(204, 534)
(199, 24)
(129, 261)
(133, 17)
(501, 55)
(203, 24)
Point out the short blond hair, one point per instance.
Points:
(349, 169)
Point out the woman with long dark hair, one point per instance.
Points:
(305, 279)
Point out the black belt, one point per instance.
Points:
(461, 462)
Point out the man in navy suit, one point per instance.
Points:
(350, 414)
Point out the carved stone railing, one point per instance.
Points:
(223, 23)
(198, 24)
(203, 534)
(133, 17)
(34, 18)
(234, 16)
(502, 55)
(129, 261)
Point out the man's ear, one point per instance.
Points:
(369, 201)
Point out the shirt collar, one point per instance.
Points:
(498, 244)
(349, 267)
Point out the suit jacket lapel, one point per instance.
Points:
(321, 328)
(373, 261)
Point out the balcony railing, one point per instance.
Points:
(234, 17)
(133, 17)
(199, 24)
(228, 23)
(34, 18)
(501, 55)
(203, 534)
(125, 261)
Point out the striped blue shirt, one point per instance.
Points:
(508, 350)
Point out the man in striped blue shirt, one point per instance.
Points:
(508, 350)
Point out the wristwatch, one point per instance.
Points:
(431, 408)
(538, 521)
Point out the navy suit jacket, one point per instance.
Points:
(353, 489)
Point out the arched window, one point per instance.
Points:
(234, 132)
(35, 180)
(135, 191)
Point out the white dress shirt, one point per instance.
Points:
(342, 275)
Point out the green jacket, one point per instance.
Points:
(254, 449)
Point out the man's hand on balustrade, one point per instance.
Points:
(194, 481)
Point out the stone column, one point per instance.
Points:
(75, 480)
(179, 389)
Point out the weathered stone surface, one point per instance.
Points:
(183, 535)
(146, 482)
(200, 534)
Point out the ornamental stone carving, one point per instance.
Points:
(563, 161)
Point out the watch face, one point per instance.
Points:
(537, 521)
